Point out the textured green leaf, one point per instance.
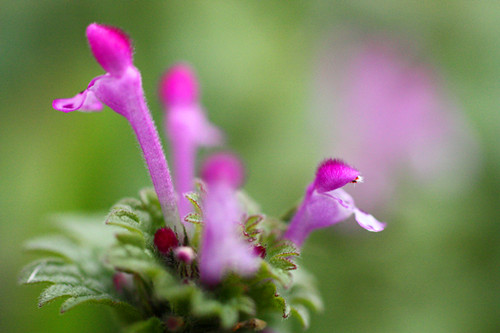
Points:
(53, 271)
(245, 305)
(283, 263)
(195, 200)
(168, 288)
(134, 239)
(133, 203)
(152, 205)
(103, 299)
(193, 218)
(304, 291)
(132, 259)
(251, 227)
(281, 254)
(55, 245)
(282, 249)
(125, 218)
(87, 230)
(301, 314)
(266, 293)
(56, 291)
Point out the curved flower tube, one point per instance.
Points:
(121, 89)
(223, 248)
(325, 203)
(187, 128)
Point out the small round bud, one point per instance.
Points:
(122, 281)
(185, 254)
(165, 240)
(260, 251)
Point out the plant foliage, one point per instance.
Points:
(113, 261)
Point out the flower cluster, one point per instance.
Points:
(205, 251)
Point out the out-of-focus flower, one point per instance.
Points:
(325, 203)
(223, 248)
(121, 89)
(185, 254)
(187, 128)
(398, 125)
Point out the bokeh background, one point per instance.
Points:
(436, 268)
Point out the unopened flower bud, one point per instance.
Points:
(179, 86)
(165, 240)
(260, 251)
(223, 168)
(185, 254)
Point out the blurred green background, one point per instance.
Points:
(436, 268)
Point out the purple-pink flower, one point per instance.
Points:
(223, 248)
(394, 119)
(121, 89)
(325, 203)
(187, 128)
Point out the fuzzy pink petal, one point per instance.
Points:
(333, 174)
(85, 101)
(223, 248)
(111, 47)
(319, 210)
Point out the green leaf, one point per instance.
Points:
(203, 306)
(283, 263)
(131, 259)
(251, 226)
(228, 316)
(87, 230)
(304, 291)
(282, 248)
(103, 299)
(134, 239)
(151, 325)
(301, 314)
(168, 288)
(55, 245)
(309, 299)
(125, 218)
(193, 218)
(281, 254)
(54, 271)
(265, 292)
(195, 200)
(56, 291)
(245, 305)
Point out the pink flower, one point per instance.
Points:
(121, 89)
(325, 203)
(395, 120)
(187, 128)
(223, 248)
